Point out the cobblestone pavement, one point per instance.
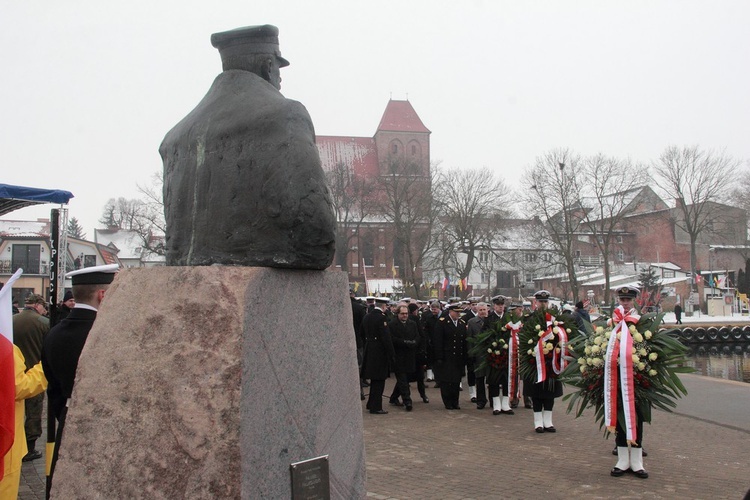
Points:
(471, 454)
(701, 451)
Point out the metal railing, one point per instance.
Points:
(6, 267)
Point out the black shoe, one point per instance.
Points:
(396, 402)
(614, 452)
(425, 399)
(408, 406)
(640, 473)
(362, 396)
(473, 400)
(643, 452)
(481, 405)
(379, 412)
(551, 428)
(540, 430)
(617, 472)
(456, 407)
(496, 412)
(514, 403)
(32, 455)
(509, 412)
(527, 403)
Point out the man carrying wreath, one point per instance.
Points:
(619, 387)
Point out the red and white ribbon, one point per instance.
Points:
(513, 357)
(541, 366)
(560, 360)
(622, 348)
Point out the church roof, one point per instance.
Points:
(358, 153)
(399, 116)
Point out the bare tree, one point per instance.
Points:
(352, 201)
(611, 184)
(471, 210)
(144, 216)
(405, 201)
(551, 192)
(697, 180)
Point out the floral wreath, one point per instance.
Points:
(625, 366)
(544, 342)
(492, 346)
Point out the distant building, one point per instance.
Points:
(365, 174)
(129, 247)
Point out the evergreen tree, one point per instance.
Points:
(650, 285)
(75, 230)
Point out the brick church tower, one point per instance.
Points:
(376, 244)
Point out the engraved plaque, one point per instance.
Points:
(310, 479)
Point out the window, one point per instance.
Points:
(368, 252)
(26, 257)
(394, 148)
(669, 273)
(529, 257)
(485, 277)
(618, 239)
(620, 255)
(413, 150)
(484, 257)
(89, 260)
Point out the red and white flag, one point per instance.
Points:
(7, 370)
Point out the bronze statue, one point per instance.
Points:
(243, 183)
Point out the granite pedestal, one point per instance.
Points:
(208, 382)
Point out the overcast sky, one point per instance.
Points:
(89, 87)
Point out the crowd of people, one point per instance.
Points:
(421, 341)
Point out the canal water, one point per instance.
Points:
(730, 361)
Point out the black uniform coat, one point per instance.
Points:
(405, 337)
(60, 352)
(379, 353)
(450, 350)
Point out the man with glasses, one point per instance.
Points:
(405, 337)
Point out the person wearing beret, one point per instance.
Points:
(629, 454)
(451, 353)
(63, 344)
(543, 394)
(498, 315)
(379, 354)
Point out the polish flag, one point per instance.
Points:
(446, 282)
(7, 370)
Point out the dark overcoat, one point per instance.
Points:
(60, 352)
(451, 350)
(379, 354)
(405, 336)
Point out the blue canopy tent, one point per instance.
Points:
(15, 197)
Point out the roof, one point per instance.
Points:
(383, 285)
(358, 153)
(399, 116)
(39, 228)
(127, 242)
(15, 197)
